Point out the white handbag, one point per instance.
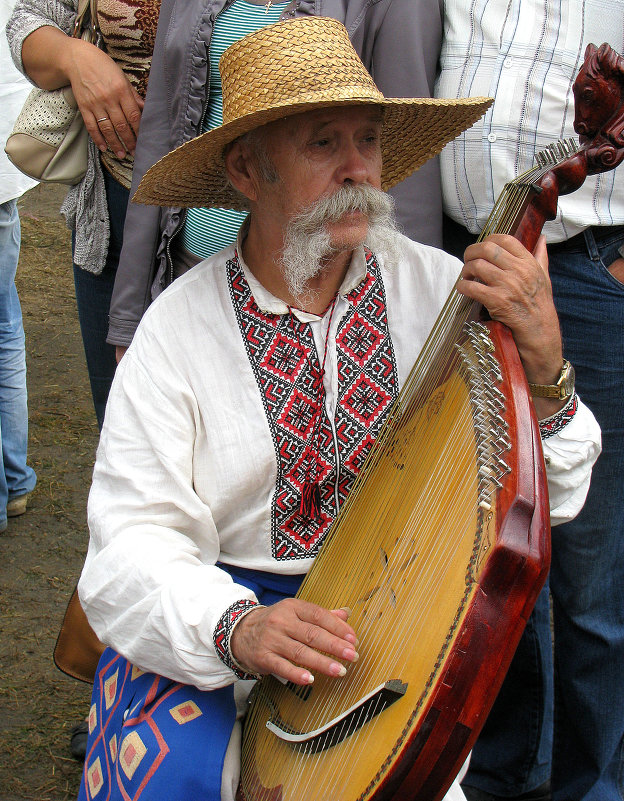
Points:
(49, 139)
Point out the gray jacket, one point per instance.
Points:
(399, 43)
(85, 207)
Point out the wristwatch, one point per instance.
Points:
(562, 390)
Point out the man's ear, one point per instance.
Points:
(241, 170)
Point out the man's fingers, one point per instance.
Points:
(316, 661)
(311, 631)
(484, 271)
(541, 253)
(505, 242)
(312, 638)
(285, 671)
(326, 619)
(300, 634)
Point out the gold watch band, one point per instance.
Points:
(562, 390)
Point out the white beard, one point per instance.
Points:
(307, 241)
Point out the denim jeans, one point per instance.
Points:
(93, 297)
(16, 477)
(587, 573)
(586, 579)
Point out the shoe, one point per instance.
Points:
(78, 741)
(17, 506)
(541, 793)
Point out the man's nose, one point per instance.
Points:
(354, 168)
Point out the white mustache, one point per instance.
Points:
(349, 198)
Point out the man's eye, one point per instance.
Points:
(321, 143)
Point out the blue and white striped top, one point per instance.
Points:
(207, 231)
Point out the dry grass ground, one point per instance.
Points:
(41, 553)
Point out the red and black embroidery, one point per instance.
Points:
(286, 365)
(553, 425)
(368, 382)
(223, 632)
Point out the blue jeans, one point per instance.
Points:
(583, 752)
(16, 477)
(93, 297)
(587, 573)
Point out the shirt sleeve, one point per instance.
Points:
(569, 454)
(150, 585)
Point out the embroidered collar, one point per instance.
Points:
(268, 303)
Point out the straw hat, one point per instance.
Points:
(288, 68)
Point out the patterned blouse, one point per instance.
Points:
(128, 31)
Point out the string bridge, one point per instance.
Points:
(336, 730)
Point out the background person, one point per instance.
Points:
(17, 478)
(109, 85)
(527, 55)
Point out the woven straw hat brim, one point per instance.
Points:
(414, 130)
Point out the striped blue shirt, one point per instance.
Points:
(207, 231)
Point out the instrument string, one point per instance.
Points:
(393, 578)
(337, 684)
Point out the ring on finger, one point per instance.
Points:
(102, 119)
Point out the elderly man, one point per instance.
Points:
(223, 458)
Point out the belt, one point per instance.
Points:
(579, 242)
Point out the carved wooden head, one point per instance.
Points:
(599, 93)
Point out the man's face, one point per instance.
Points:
(314, 155)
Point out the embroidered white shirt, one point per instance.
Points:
(186, 471)
(525, 54)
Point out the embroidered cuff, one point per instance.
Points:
(223, 634)
(553, 425)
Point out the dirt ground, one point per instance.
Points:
(41, 553)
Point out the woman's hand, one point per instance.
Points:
(109, 105)
(292, 638)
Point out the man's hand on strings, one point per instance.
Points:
(294, 639)
(514, 287)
